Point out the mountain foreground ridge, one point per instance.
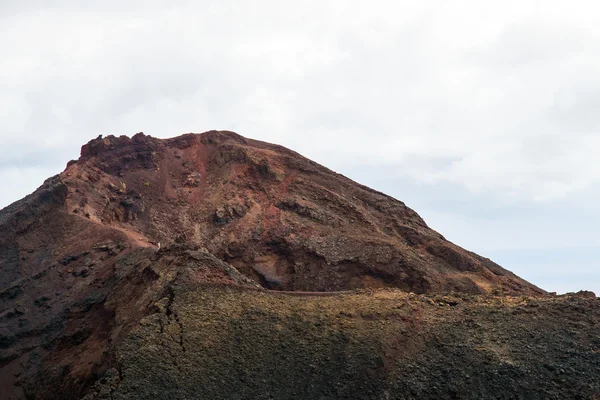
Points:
(216, 266)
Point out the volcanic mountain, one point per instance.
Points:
(110, 266)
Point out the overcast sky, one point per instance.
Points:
(483, 116)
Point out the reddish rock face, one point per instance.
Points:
(281, 219)
(80, 260)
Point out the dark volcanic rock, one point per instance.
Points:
(222, 343)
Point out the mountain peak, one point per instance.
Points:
(284, 220)
(97, 247)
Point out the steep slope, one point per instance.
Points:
(278, 217)
(81, 264)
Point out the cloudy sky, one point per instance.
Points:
(483, 116)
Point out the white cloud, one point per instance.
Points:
(497, 97)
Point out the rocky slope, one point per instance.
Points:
(281, 219)
(157, 243)
(226, 343)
